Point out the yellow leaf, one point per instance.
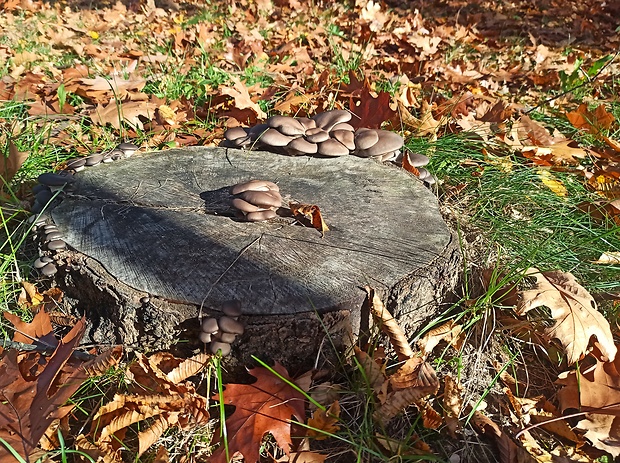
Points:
(608, 257)
(93, 35)
(552, 183)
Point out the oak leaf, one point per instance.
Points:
(573, 309)
(595, 390)
(239, 92)
(11, 164)
(591, 121)
(130, 112)
(324, 422)
(265, 406)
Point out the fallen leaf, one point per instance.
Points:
(309, 214)
(608, 258)
(129, 112)
(591, 121)
(323, 422)
(388, 324)
(552, 183)
(11, 164)
(574, 311)
(449, 332)
(452, 404)
(241, 96)
(265, 406)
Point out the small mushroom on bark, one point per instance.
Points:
(128, 149)
(232, 309)
(224, 347)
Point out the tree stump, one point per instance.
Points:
(158, 226)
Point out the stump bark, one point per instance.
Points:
(158, 225)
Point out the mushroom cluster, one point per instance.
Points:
(49, 192)
(327, 134)
(221, 333)
(256, 200)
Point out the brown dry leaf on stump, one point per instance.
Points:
(388, 325)
(309, 214)
(266, 406)
(574, 311)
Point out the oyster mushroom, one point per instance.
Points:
(128, 149)
(328, 120)
(224, 347)
(230, 325)
(301, 146)
(387, 143)
(256, 200)
(332, 148)
(286, 125)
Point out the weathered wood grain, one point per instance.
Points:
(159, 224)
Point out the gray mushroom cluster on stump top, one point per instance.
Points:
(256, 200)
(327, 134)
(221, 333)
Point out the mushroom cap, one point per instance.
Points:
(49, 270)
(246, 207)
(416, 159)
(425, 175)
(255, 131)
(205, 337)
(223, 346)
(235, 132)
(286, 125)
(271, 137)
(128, 148)
(329, 119)
(116, 154)
(301, 146)
(261, 216)
(93, 159)
(316, 135)
(263, 199)
(75, 163)
(307, 122)
(343, 126)
(54, 235)
(145, 300)
(42, 262)
(209, 325)
(227, 337)
(346, 137)
(230, 325)
(387, 143)
(44, 196)
(254, 185)
(232, 309)
(56, 245)
(332, 148)
(365, 138)
(52, 179)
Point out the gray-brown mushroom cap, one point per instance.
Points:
(272, 137)
(416, 159)
(388, 142)
(232, 309)
(263, 199)
(332, 148)
(254, 185)
(222, 346)
(286, 125)
(301, 146)
(316, 135)
(230, 325)
(245, 206)
(236, 137)
(329, 119)
(261, 216)
(346, 137)
(365, 138)
(209, 325)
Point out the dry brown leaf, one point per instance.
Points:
(323, 422)
(162, 455)
(452, 403)
(509, 452)
(239, 92)
(559, 153)
(11, 164)
(591, 121)
(303, 457)
(32, 296)
(374, 373)
(412, 382)
(189, 367)
(264, 406)
(573, 309)
(595, 390)
(449, 332)
(309, 214)
(129, 112)
(388, 325)
(431, 419)
(608, 258)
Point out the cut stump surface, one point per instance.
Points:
(159, 225)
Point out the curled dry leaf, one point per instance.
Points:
(11, 164)
(509, 452)
(452, 403)
(450, 332)
(374, 373)
(574, 311)
(388, 325)
(309, 215)
(608, 258)
(241, 96)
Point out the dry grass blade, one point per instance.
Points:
(389, 325)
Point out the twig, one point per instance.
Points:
(43, 348)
